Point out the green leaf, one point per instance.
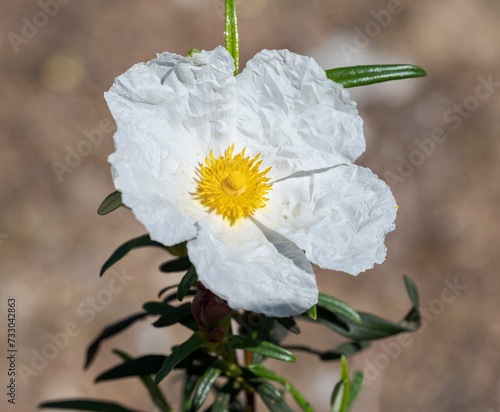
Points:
(346, 349)
(340, 395)
(338, 306)
(119, 253)
(144, 365)
(363, 75)
(289, 324)
(178, 354)
(177, 265)
(187, 401)
(166, 289)
(231, 33)
(372, 327)
(204, 385)
(221, 403)
(356, 384)
(272, 397)
(155, 393)
(112, 202)
(171, 314)
(111, 331)
(189, 279)
(87, 405)
(337, 397)
(262, 372)
(260, 346)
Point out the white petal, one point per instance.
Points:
(291, 113)
(239, 264)
(339, 217)
(170, 112)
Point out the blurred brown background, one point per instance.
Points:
(57, 59)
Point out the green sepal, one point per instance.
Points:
(259, 346)
(188, 281)
(178, 354)
(112, 202)
(262, 372)
(364, 75)
(119, 253)
(312, 312)
(87, 405)
(231, 33)
(154, 391)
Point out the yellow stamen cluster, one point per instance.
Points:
(233, 186)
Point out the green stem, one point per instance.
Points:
(231, 33)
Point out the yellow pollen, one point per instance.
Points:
(233, 185)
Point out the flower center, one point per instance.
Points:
(233, 186)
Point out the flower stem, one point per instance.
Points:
(250, 395)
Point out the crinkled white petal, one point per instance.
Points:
(299, 120)
(339, 216)
(240, 264)
(170, 113)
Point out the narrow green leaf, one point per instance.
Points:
(111, 331)
(171, 315)
(338, 306)
(346, 349)
(87, 405)
(363, 75)
(188, 281)
(272, 397)
(119, 253)
(411, 287)
(144, 365)
(176, 265)
(221, 403)
(289, 324)
(260, 346)
(337, 397)
(356, 384)
(187, 400)
(204, 385)
(372, 327)
(166, 289)
(231, 33)
(262, 372)
(112, 202)
(154, 391)
(178, 354)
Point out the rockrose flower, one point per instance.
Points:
(254, 171)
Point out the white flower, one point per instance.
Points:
(252, 171)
